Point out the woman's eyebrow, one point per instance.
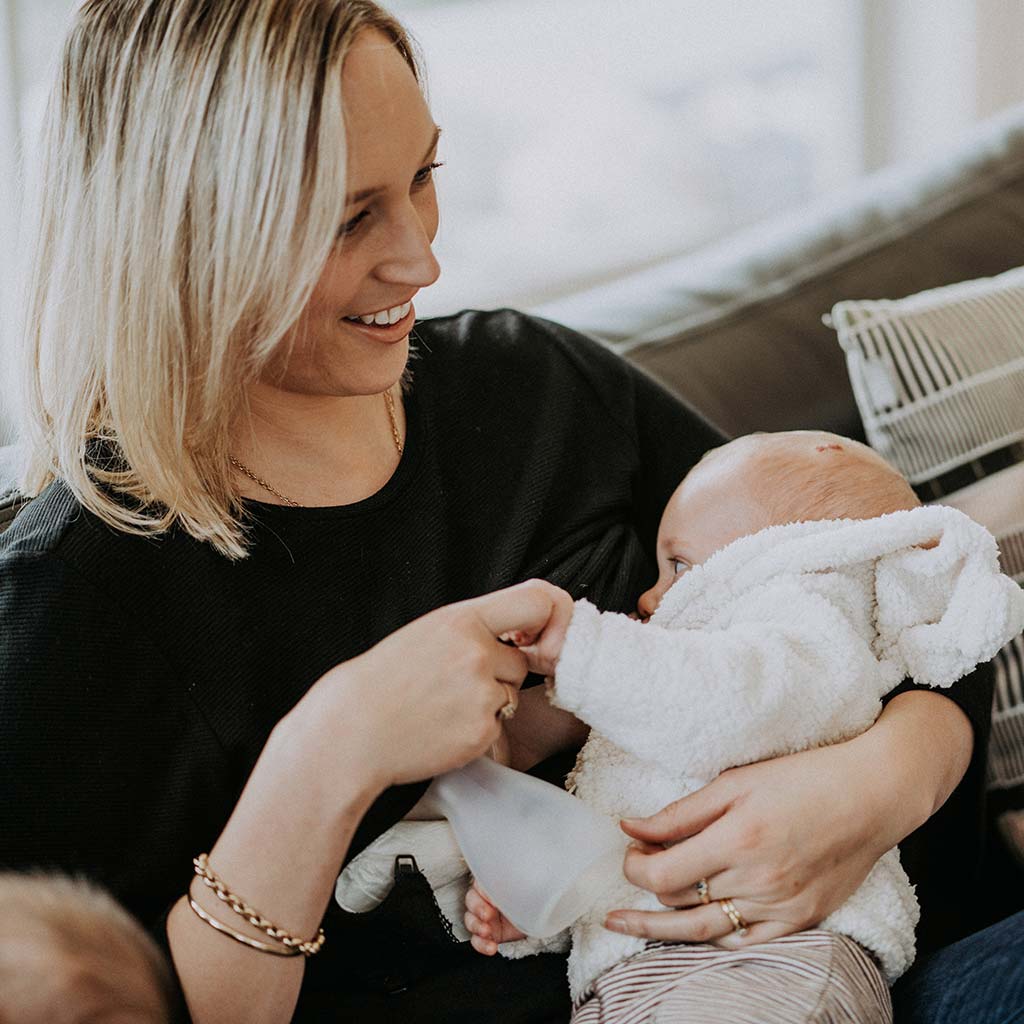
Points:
(358, 197)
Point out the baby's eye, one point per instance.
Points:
(679, 565)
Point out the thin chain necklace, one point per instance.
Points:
(242, 468)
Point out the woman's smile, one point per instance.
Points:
(389, 331)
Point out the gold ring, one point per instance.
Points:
(508, 709)
(703, 891)
(739, 926)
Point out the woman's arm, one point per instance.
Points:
(344, 742)
(280, 852)
(789, 840)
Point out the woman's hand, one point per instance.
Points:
(427, 698)
(789, 840)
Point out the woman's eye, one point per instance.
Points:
(420, 179)
(350, 225)
(424, 174)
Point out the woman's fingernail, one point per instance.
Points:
(616, 924)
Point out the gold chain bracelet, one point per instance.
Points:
(307, 947)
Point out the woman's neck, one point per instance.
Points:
(317, 449)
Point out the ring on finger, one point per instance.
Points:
(703, 891)
(508, 709)
(739, 926)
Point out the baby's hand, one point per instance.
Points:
(543, 649)
(486, 924)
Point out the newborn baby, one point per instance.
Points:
(799, 583)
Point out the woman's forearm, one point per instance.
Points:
(921, 747)
(280, 852)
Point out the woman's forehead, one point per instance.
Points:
(384, 106)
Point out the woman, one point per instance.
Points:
(258, 600)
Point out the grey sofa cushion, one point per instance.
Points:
(736, 329)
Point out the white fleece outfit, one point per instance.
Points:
(784, 640)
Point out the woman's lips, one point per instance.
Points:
(387, 334)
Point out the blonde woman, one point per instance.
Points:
(257, 601)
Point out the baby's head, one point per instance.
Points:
(69, 954)
(763, 480)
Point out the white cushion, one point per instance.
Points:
(939, 376)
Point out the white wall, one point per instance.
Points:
(934, 67)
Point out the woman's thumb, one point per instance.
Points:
(679, 820)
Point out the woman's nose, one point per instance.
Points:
(410, 259)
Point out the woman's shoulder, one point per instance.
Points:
(55, 546)
(477, 339)
(524, 358)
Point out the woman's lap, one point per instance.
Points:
(979, 980)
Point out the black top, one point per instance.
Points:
(140, 678)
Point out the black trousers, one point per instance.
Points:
(399, 962)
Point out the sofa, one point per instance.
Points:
(737, 329)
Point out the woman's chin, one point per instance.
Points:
(342, 371)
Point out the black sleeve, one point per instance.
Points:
(944, 858)
(671, 438)
(667, 435)
(101, 757)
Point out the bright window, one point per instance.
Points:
(584, 137)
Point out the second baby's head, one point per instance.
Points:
(763, 480)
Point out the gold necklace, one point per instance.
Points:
(242, 468)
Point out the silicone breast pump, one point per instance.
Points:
(540, 854)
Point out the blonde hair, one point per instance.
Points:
(69, 953)
(193, 179)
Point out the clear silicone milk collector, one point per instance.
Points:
(541, 855)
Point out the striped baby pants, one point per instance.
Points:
(813, 977)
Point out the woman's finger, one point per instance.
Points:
(698, 924)
(690, 895)
(681, 819)
(526, 607)
(547, 649)
(675, 869)
(760, 931)
(509, 665)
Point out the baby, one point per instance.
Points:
(799, 583)
(69, 955)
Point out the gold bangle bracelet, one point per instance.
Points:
(307, 947)
(219, 926)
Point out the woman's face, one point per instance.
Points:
(383, 255)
